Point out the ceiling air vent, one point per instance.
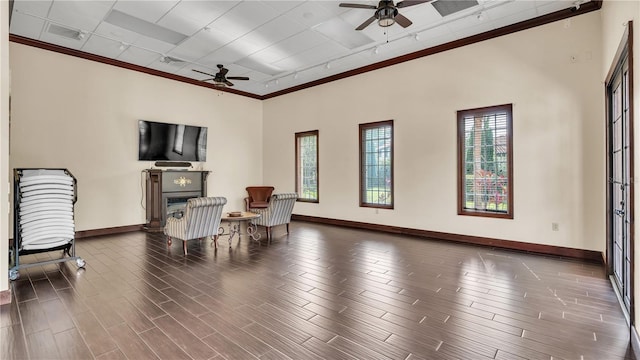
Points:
(65, 32)
(448, 7)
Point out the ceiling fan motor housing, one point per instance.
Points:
(386, 13)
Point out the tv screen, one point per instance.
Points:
(171, 142)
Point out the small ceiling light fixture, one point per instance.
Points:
(296, 75)
(376, 50)
(207, 29)
(327, 66)
(81, 34)
(416, 37)
(163, 58)
(386, 16)
(277, 81)
(480, 16)
(122, 46)
(576, 4)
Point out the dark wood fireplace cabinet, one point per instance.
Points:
(167, 194)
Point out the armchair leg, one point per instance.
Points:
(184, 246)
(287, 228)
(268, 234)
(215, 241)
(169, 240)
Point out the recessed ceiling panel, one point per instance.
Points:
(312, 13)
(144, 27)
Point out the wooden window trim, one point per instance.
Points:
(299, 135)
(508, 108)
(361, 129)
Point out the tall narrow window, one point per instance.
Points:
(307, 166)
(376, 164)
(485, 177)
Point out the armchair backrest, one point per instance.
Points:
(202, 216)
(279, 210)
(259, 196)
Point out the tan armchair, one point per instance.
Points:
(201, 219)
(258, 197)
(278, 211)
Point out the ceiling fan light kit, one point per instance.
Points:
(386, 12)
(220, 78)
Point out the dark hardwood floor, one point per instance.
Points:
(320, 293)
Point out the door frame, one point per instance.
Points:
(623, 53)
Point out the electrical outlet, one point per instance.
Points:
(555, 227)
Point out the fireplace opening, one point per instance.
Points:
(176, 206)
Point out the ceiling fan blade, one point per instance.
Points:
(402, 20)
(237, 77)
(202, 72)
(229, 83)
(208, 79)
(366, 23)
(405, 3)
(358, 6)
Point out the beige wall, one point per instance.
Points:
(4, 141)
(82, 115)
(615, 15)
(558, 135)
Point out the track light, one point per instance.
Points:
(122, 46)
(376, 50)
(416, 37)
(296, 75)
(81, 34)
(327, 66)
(480, 16)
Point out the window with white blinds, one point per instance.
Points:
(376, 164)
(485, 177)
(307, 166)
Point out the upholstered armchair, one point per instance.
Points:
(258, 197)
(278, 212)
(201, 219)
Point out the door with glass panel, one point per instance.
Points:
(620, 181)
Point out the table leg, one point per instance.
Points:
(252, 231)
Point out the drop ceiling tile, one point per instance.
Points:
(273, 32)
(283, 6)
(340, 31)
(158, 46)
(147, 10)
(138, 56)
(188, 17)
(83, 15)
(200, 45)
(117, 33)
(509, 8)
(322, 53)
(256, 65)
(25, 25)
(515, 18)
(103, 47)
(225, 55)
(312, 13)
(38, 8)
(547, 7)
(242, 19)
(301, 42)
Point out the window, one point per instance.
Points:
(485, 177)
(307, 166)
(376, 164)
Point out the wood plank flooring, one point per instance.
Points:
(321, 292)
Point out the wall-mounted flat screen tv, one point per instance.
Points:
(171, 142)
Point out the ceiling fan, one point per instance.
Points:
(386, 12)
(221, 78)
